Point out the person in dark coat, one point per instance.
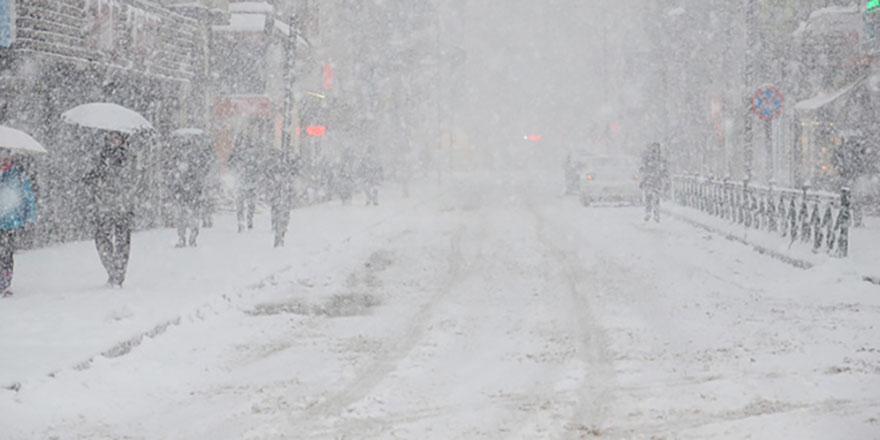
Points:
(192, 159)
(282, 170)
(344, 178)
(115, 184)
(654, 177)
(326, 181)
(246, 161)
(570, 172)
(213, 187)
(18, 210)
(372, 175)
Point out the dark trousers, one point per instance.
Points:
(652, 204)
(113, 240)
(7, 247)
(372, 193)
(245, 205)
(188, 219)
(280, 221)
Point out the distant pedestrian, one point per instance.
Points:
(654, 177)
(372, 175)
(115, 184)
(246, 161)
(18, 210)
(344, 178)
(569, 171)
(192, 159)
(212, 190)
(282, 170)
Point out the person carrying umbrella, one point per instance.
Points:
(18, 210)
(114, 184)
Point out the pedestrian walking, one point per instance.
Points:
(115, 184)
(245, 161)
(344, 178)
(654, 178)
(192, 159)
(569, 171)
(282, 170)
(208, 202)
(18, 210)
(372, 176)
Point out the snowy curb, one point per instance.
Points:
(126, 346)
(796, 262)
(120, 349)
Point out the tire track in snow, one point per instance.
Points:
(591, 411)
(414, 331)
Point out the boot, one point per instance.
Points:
(192, 237)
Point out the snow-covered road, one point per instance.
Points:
(496, 310)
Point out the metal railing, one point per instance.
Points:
(818, 218)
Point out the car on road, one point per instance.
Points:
(610, 179)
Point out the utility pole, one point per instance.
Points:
(289, 79)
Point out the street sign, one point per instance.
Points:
(767, 103)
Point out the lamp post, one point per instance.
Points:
(289, 79)
(748, 78)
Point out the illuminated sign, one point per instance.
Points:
(316, 130)
(872, 6)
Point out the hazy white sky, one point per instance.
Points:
(542, 65)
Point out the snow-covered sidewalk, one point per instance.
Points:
(502, 312)
(62, 315)
(864, 244)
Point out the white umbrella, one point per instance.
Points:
(106, 116)
(18, 140)
(188, 132)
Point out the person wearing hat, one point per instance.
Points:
(18, 210)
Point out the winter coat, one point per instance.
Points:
(189, 171)
(18, 204)
(116, 182)
(282, 171)
(654, 171)
(372, 172)
(246, 160)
